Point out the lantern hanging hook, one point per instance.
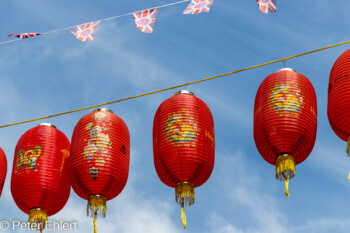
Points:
(186, 85)
(284, 63)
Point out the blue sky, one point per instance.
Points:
(57, 73)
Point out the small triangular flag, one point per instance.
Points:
(84, 32)
(144, 20)
(198, 6)
(267, 6)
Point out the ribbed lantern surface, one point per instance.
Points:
(285, 121)
(100, 153)
(339, 98)
(183, 145)
(40, 181)
(3, 169)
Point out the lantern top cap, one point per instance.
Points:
(97, 195)
(102, 110)
(183, 92)
(47, 124)
(288, 69)
(35, 208)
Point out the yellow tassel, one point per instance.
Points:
(96, 206)
(285, 166)
(348, 153)
(95, 225)
(184, 195)
(348, 147)
(183, 216)
(285, 170)
(286, 193)
(37, 219)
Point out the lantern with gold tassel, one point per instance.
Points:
(183, 145)
(40, 181)
(3, 169)
(285, 121)
(100, 159)
(339, 98)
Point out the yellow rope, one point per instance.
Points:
(183, 216)
(286, 192)
(181, 85)
(348, 147)
(95, 225)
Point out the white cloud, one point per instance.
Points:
(218, 224)
(324, 225)
(331, 160)
(131, 211)
(248, 200)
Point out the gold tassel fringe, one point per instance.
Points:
(184, 195)
(285, 170)
(37, 219)
(96, 206)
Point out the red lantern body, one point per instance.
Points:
(100, 158)
(3, 169)
(285, 120)
(183, 144)
(339, 96)
(41, 172)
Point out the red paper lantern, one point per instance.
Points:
(100, 159)
(285, 121)
(339, 98)
(3, 169)
(40, 182)
(184, 145)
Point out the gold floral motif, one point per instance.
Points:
(99, 143)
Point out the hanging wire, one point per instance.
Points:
(284, 63)
(105, 19)
(178, 86)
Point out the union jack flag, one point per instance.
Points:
(144, 20)
(198, 6)
(24, 35)
(85, 31)
(267, 6)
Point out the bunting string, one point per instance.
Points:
(177, 86)
(100, 20)
(144, 19)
